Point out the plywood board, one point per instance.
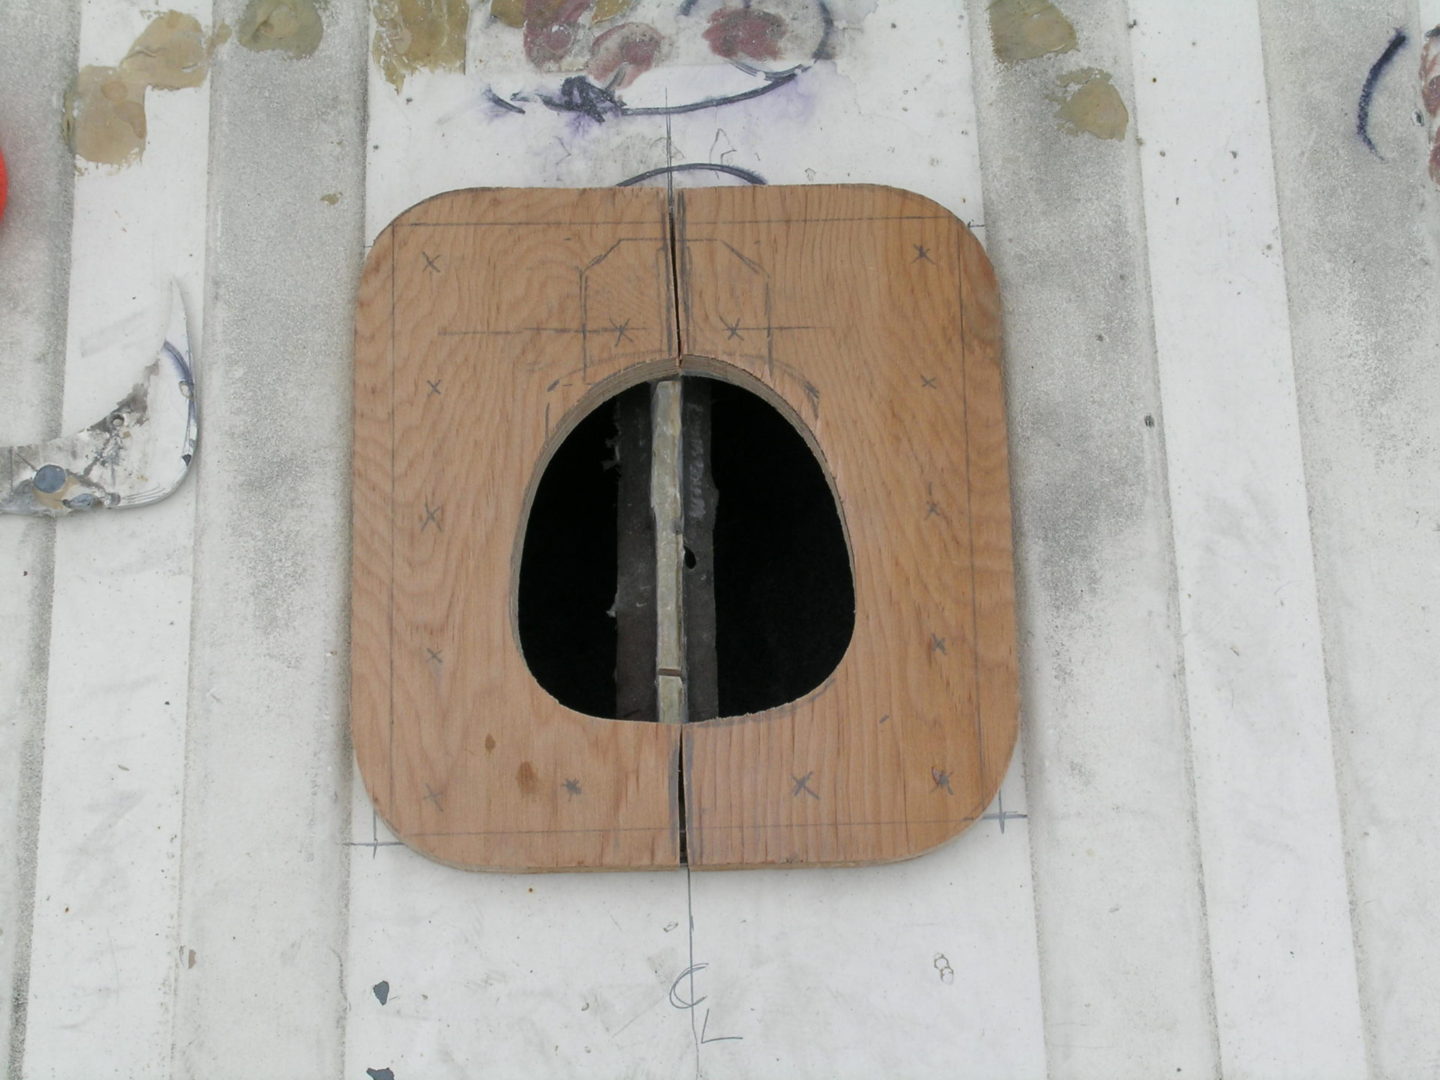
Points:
(487, 320)
(871, 314)
(489, 323)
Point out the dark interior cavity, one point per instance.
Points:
(784, 598)
(568, 565)
(784, 594)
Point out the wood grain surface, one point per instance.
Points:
(492, 321)
(483, 329)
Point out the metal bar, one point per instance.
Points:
(666, 483)
(700, 505)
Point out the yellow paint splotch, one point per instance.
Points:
(415, 35)
(1093, 107)
(171, 53)
(104, 114)
(1026, 29)
(292, 27)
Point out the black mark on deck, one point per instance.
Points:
(885, 719)
(434, 385)
(694, 166)
(922, 254)
(579, 95)
(1362, 112)
(435, 655)
(374, 845)
(942, 965)
(1002, 815)
(380, 1074)
(622, 331)
(496, 99)
(732, 330)
(716, 1038)
(437, 797)
(381, 990)
(572, 788)
(937, 644)
(773, 83)
(432, 517)
(927, 383)
(942, 780)
(802, 785)
(678, 1002)
(431, 263)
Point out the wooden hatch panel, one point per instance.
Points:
(491, 321)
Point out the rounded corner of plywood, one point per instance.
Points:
(440, 198)
(911, 201)
(905, 231)
(381, 808)
(945, 839)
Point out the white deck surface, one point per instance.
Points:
(1215, 853)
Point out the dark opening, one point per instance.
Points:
(568, 564)
(784, 597)
(784, 594)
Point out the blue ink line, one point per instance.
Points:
(772, 83)
(1362, 117)
(693, 166)
(496, 99)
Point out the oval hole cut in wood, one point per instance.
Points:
(770, 551)
(488, 317)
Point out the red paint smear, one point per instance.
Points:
(736, 32)
(1430, 95)
(629, 50)
(1429, 79)
(550, 30)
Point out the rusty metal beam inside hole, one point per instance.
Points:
(667, 470)
(665, 596)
